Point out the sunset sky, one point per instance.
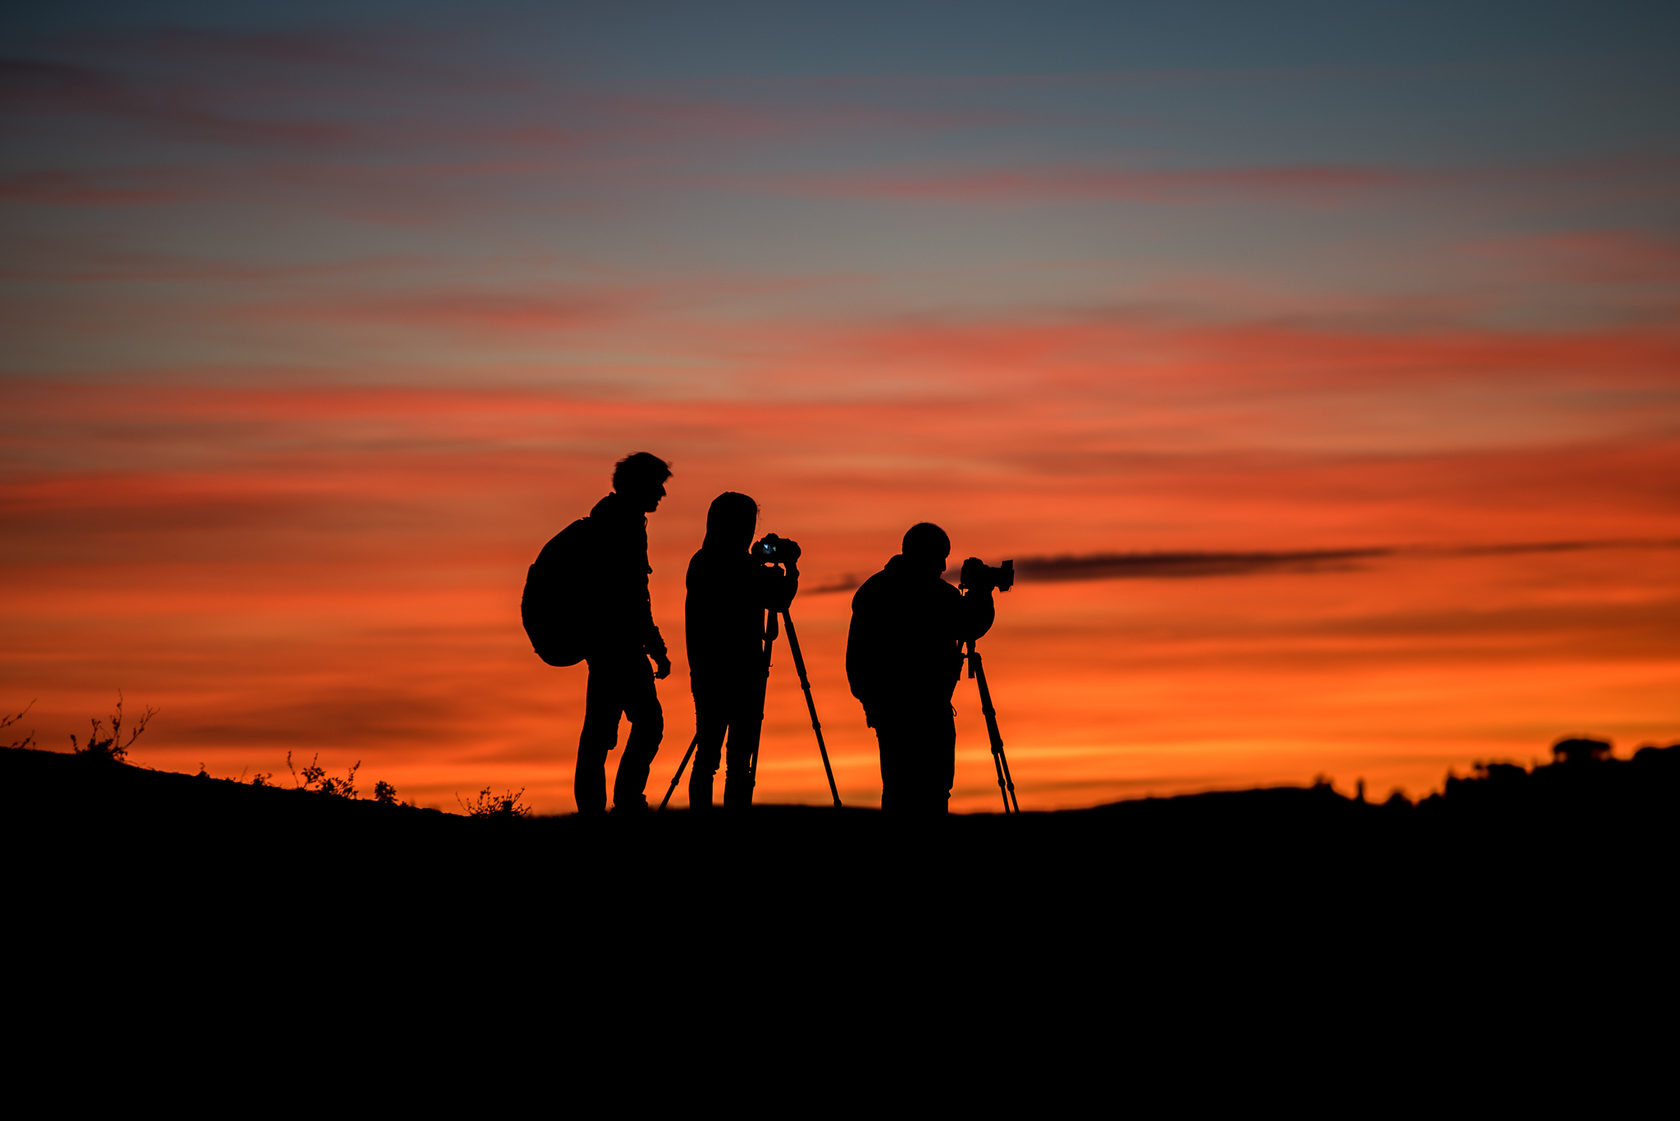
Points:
(1319, 365)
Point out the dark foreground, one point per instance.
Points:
(1572, 827)
(1249, 920)
(1162, 950)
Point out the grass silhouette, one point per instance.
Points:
(501, 807)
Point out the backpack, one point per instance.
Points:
(557, 606)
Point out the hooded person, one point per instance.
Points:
(729, 593)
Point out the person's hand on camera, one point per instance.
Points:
(662, 665)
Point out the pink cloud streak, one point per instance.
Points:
(1150, 185)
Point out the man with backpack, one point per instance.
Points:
(586, 599)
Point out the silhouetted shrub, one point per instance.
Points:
(112, 748)
(314, 778)
(8, 721)
(384, 793)
(506, 806)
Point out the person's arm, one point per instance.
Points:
(777, 584)
(653, 643)
(976, 614)
(781, 586)
(861, 657)
(655, 647)
(974, 608)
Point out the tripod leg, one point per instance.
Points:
(687, 755)
(810, 704)
(1003, 762)
(769, 642)
(1000, 762)
(997, 766)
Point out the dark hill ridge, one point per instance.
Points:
(233, 895)
(1585, 808)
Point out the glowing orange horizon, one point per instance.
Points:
(363, 606)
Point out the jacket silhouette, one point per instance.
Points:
(623, 638)
(730, 593)
(903, 659)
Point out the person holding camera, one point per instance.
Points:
(732, 583)
(903, 659)
(624, 639)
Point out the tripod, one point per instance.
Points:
(810, 705)
(1006, 783)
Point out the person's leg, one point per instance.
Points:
(599, 736)
(942, 758)
(890, 734)
(746, 723)
(710, 724)
(919, 755)
(647, 728)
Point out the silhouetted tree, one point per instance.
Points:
(1501, 775)
(1577, 750)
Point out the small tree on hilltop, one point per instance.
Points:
(1578, 749)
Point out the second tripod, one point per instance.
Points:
(810, 705)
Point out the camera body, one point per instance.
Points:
(977, 574)
(775, 550)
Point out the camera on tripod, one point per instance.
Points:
(772, 550)
(979, 575)
(775, 550)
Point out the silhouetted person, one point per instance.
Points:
(903, 658)
(729, 593)
(620, 678)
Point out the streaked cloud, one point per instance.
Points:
(172, 109)
(479, 312)
(1308, 182)
(1119, 566)
(1202, 565)
(112, 187)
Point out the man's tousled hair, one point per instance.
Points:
(640, 467)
